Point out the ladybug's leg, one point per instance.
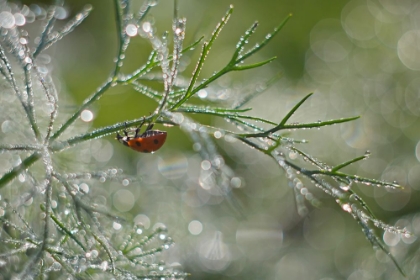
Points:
(125, 130)
(138, 130)
(150, 126)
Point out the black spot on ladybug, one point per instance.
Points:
(156, 141)
(146, 151)
(138, 143)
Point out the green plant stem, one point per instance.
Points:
(123, 38)
(30, 103)
(26, 163)
(298, 126)
(65, 230)
(109, 83)
(85, 104)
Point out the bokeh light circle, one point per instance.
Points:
(409, 49)
(123, 200)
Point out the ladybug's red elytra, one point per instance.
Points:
(147, 142)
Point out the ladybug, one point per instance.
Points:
(147, 142)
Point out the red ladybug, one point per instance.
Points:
(147, 142)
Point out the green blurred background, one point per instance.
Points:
(359, 57)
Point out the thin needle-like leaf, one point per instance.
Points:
(243, 41)
(46, 32)
(62, 227)
(344, 164)
(268, 38)
(144, 9)
(293, 110)
(297, 126)
(205, 50)
(375, 241)
(4, 148)
(69, 27)
(254, 65)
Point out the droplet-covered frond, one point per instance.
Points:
(53, 203)
(50, 37)
(232, 65)
(54, 222)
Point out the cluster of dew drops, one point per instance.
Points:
(133, 29)
(12, 15)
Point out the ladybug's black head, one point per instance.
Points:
(123, 139)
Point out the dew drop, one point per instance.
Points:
(205, 165)
(29, 201)
(217, 134)
(27, 60)
(56, 266)
(346, 207)
(131, 30)
(29, 16)
(202, 93)
(236, 182)
(23, 41)
(293, 155)
(20, 19)
(142, 221)
(60, 13)
(22, 178)
(86, 115)
(7, 20)
(84, 187)
(125, 182)
(152, 3)
(94, 254)
(345, 187)
(116, 226)
(104, 265)
(147, 27)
